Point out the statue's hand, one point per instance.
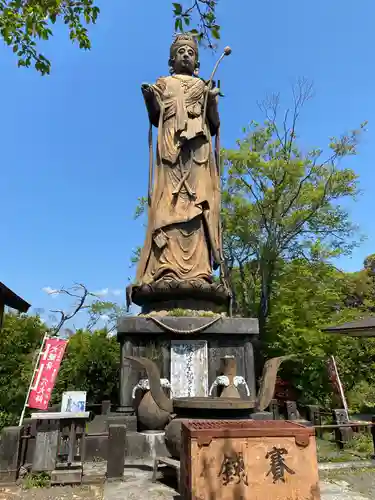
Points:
(214, 92)
(146, 87)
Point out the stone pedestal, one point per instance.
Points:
(116, 451)
(167, 338)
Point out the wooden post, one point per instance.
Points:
(128, 377)
(72, 442)
(274, 409)
(342, 434)
(291, 410)
(106, 407)
(315, 418)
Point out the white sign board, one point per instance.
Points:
(189, 368)
(73, 402)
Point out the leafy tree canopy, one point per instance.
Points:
(281, 202)
(91, 363)
(23, 23)
(306, 296)
(20, 338)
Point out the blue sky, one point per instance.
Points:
(74, 153)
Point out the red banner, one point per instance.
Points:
(45, 376)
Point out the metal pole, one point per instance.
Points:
(32, 379)
(340, 386)
(150, 165)
(337, 426)
(227, 52)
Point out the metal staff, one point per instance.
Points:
(223, 268)
(227, 52)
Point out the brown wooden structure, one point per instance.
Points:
(11, 299)
(360, 328)
(60, 445)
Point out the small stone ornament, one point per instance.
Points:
(144, 385)
(223, 380)
(229, 379)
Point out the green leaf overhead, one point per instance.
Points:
(23, 24)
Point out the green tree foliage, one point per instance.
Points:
(99, 309)
(308, 295)
(91, 364)
(369, 265)
(20, 338)
(203, 14)
(23, 24)
(281, 203)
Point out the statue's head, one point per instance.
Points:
(183, 58)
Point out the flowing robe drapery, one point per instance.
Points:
(183, 237)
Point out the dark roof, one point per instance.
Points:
(360, 328)
(10, 299)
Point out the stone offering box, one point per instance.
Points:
(248, 460)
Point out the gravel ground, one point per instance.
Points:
(335, 485)
(362, 481)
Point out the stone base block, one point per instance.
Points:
(262, 415)
(168, 338)
(117, 418)
(96, 447)
(141, 445)
(8, 477)
(128, 325)
(137, 445)
(66, 476)
(100, 424)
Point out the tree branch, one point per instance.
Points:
(314, 210)
(71, 292)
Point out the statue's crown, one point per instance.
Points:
(181, 39)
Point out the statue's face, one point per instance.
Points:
(185, 60)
